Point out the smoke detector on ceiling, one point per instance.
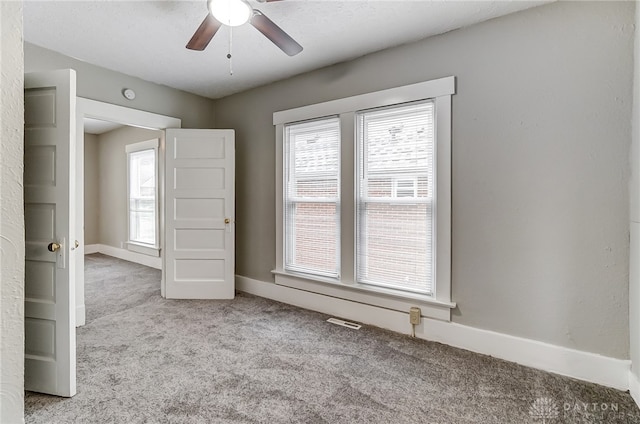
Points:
(129, 94)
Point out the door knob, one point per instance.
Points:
(53, 247)
(227, 220)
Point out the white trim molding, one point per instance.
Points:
(81, 315)
(591, 367)
(634, 387)
(124, 254)
(368, 295)
(90, 249)
(407, 93)
(141, 248)
(125, 115)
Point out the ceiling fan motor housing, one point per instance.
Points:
(235, 13)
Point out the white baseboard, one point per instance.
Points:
(127, 255)
(81, 315)
(634, 387)
(91, 248)
(586, 366)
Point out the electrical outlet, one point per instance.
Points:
(414, 316)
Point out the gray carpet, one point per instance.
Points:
(142, 359)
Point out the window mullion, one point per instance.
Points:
(347, 196)
(281, 182)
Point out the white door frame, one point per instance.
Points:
(86, 108)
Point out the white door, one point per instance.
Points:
(50, 337)
(199, 214)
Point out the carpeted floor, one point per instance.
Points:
(143, 359)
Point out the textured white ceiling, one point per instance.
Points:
(147, 39)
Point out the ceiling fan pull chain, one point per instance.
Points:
(230, 47)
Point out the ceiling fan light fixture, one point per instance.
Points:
(230, 12)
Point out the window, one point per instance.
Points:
(312, 197)
(395, 197)
(364, 205)
(142, 193)
(142, 197)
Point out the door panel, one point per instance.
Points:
(199, 239)
(199, 243)
(50, 365)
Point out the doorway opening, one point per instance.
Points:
(118, 126)
(121, 198)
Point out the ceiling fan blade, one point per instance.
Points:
(204, 33)
(274, 33)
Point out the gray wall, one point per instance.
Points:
(11, 215)
(634, 266)
(541, 135)
(91, 189)
(112, 186)
(94, 82)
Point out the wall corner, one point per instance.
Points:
(11, 214)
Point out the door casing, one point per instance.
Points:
(122, 115)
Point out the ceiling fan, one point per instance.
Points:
(235, 13)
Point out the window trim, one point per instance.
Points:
(136, 246)
(439, 304)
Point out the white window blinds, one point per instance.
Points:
(395, 208)
(312, 197)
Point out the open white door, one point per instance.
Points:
(50, 337)
(199, 214)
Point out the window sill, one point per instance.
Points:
(370, 295)
(145, 249)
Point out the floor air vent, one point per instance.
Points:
(344, 323)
